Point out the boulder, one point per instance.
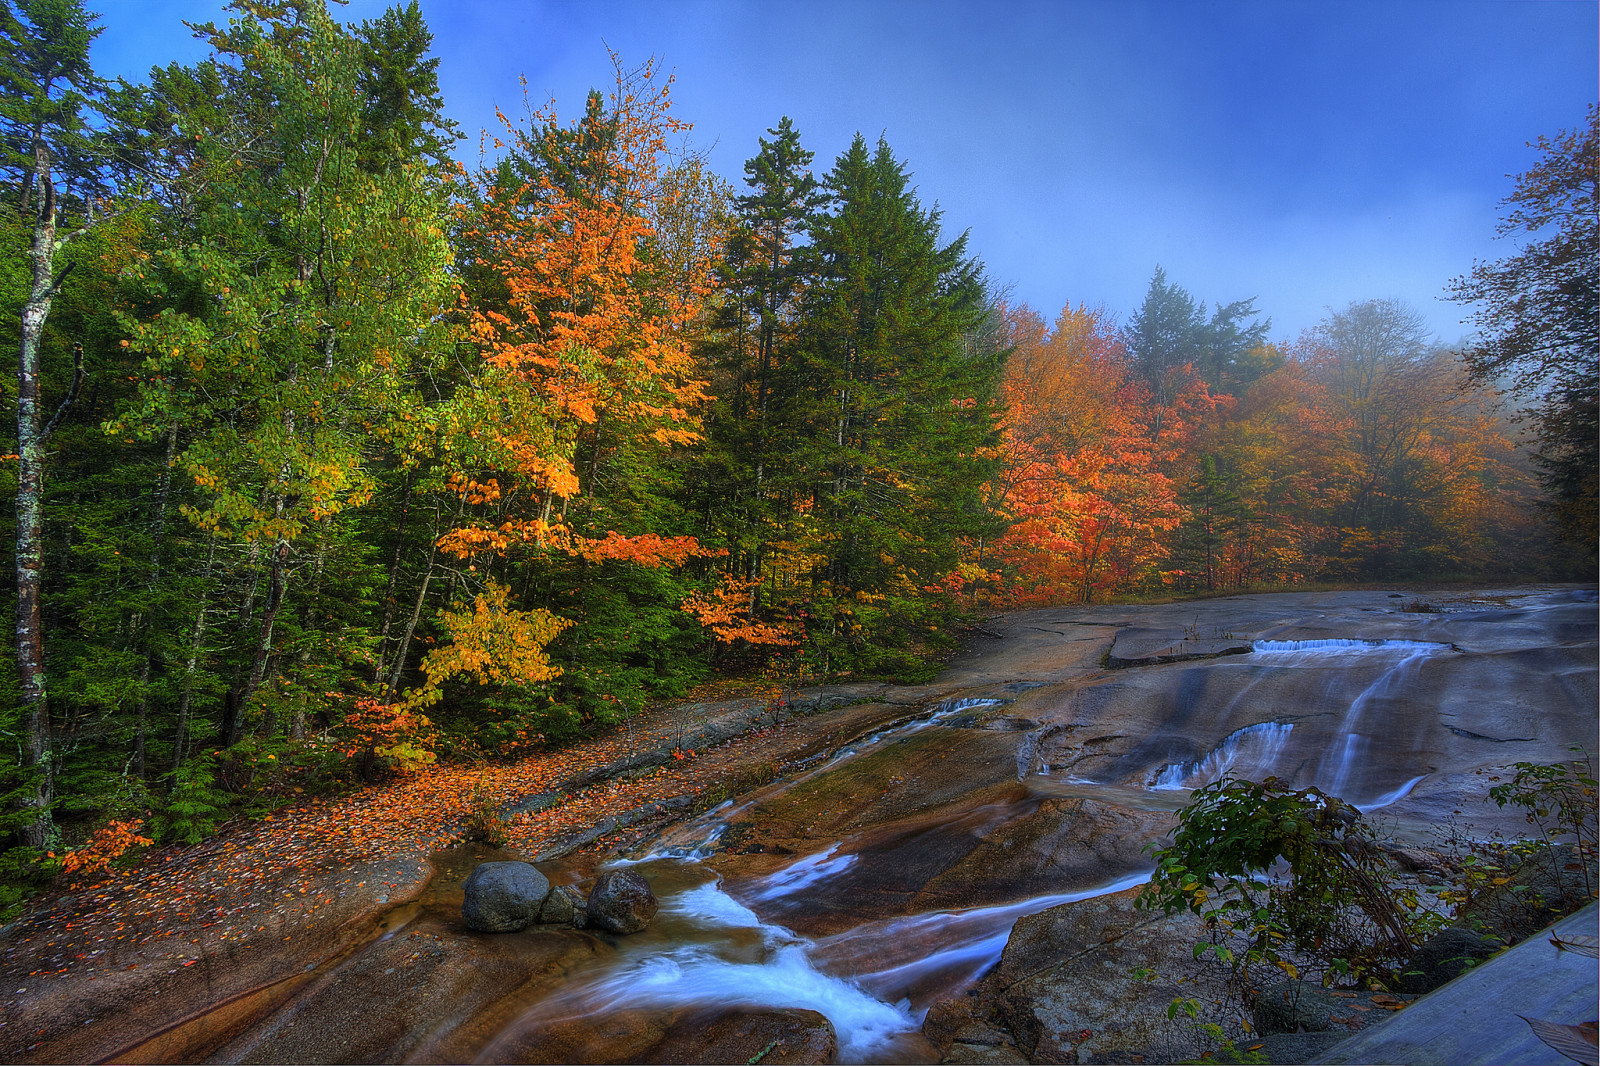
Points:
(1443, 958)
(620, 902)
(503, 897)
(561, 906)
(1294, 1007)
(1071, 990)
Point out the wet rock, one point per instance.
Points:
(976, 1054)
(503, 897)
(1416, 860)
(620, 902)
(1072, 990)
(561, 906)
(1293, 1007)
(765, 1036)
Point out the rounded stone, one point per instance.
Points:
(503, 897)
(620, 902)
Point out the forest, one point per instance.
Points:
(336, 458)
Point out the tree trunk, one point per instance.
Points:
(157, 537)
(181, 734)
(411, 630)
(31, 434)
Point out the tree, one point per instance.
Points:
(288, 319)
(560, 446)
(1087, 482)
(756, 328)
(402, 114)
(1538, 315)
(898, 420)
(1171, 339)
(48, 85)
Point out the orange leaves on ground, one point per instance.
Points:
(108, 844)
(726, 612)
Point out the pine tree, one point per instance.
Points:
(742, 477)
(900, 423)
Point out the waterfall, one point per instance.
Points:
(1351, 753)
(1255, 746)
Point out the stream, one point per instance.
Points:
(888, 875)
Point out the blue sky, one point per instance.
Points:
(1306, 153)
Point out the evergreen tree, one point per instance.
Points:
(742, 476)
(1171, 331)
(402, 113)
(900, 416)
(1215, 513)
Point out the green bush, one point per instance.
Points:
(1331, 903)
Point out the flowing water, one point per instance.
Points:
(726, 935)
(888, 874)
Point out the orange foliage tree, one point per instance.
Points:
(1087, 479)
(579, 311)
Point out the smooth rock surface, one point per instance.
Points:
(503, 897)
(770, 1036)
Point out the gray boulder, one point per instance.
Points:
(503, 897)
(1445, 956)
(620, 902)
(1294, 1007)
(561, 906)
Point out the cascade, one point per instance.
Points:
(1251, 751)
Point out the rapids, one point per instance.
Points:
(887, 875)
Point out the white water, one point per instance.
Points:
(946, 949)
(873, 982)
(1394, 796)
(802, 874)
(1254, 751)
(1336, 645)
(1352, 753)
(1251, 750)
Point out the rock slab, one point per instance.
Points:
(503, 897)
(620, 902)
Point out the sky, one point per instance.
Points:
(1306, 153)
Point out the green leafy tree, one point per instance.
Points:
(308, 293)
